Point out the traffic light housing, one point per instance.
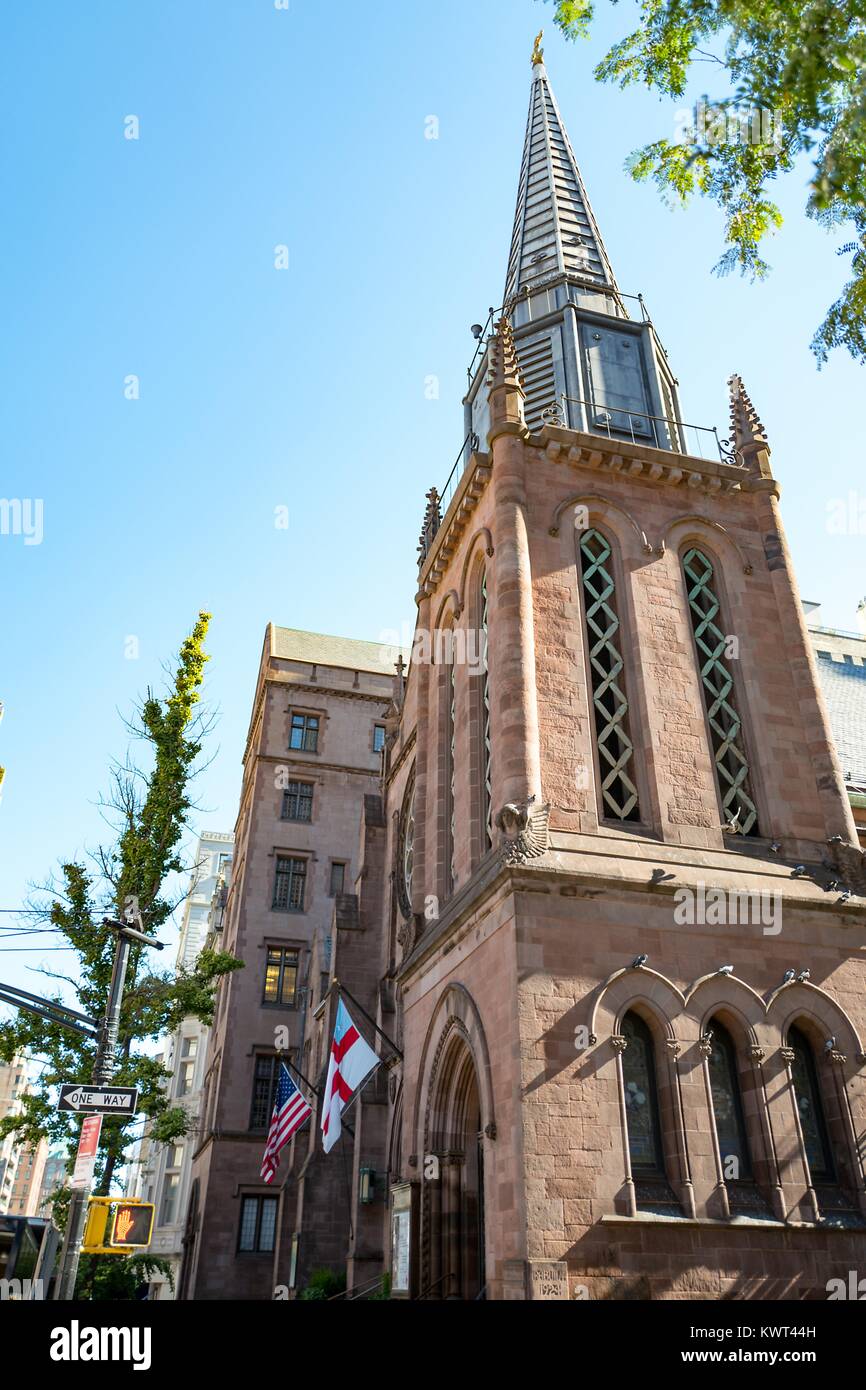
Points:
(117, 1227)
(131, 1225)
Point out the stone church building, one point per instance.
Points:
(602, 912)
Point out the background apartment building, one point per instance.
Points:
(162, 1173)
(13, 1086)
(313, 754)
(841, 658)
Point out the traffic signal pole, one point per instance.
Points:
(103, 1070)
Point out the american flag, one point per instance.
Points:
(290, 1112)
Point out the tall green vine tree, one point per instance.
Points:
(799, 64)
(148, 810)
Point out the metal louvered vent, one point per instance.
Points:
(717, 686)
(539, 379)
(615, 748)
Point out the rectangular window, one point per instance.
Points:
(378, 737)
(175, 1158)
(289, 884)
(298, 801)
(304, 735)
(264, 1085)
(186, 1078)
(189, 1047)
(281, 977)
(258, 1224)
(338, 874)
(170, 1192)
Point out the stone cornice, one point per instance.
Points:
(382, 699)
(590, 454)
(597, 453)
(315, 765)
(545, 876)
(320, 688)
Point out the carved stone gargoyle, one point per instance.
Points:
(524, 828)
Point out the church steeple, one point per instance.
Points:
(588, 354)
(555, 231)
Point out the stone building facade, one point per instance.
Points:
(313, 754)
(608, 910)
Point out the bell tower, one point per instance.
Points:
(629, 954)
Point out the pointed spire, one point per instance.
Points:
(555, 232)
(748, 435)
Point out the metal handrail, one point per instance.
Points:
(675, 436)
(450, 487)
(353, 1292)
(430, 1287)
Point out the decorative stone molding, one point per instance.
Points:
(713, 525)
(580, 449)
(787, 1054)
(525, 831)
(757, 1053)
(674, 1047)
(618, 1042)
(581, 499)
(838, 1058)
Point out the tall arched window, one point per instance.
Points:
(619, 794)
(486, 779)
(406, 848)
(728, 1105)
(807, 1093)
(717, 687)
(641, 1098)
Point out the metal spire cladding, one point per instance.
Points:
(555, 232)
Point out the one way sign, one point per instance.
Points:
(98, 1100)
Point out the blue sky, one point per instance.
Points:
(305, 387)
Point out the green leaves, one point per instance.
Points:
(800, 67)
(151, 813)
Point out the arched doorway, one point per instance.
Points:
(454, 1189)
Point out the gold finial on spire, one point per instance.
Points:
(538, 51)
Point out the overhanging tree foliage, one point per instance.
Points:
(802, 64)
(148, 810)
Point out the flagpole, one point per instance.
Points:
(341, 989)
(316, 1090)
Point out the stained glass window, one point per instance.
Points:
(406, 848)
(717, 685)
(610, 705)
(728, 1105)
(641, 1098)
(807, 1093)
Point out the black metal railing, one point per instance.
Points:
(660, 431)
